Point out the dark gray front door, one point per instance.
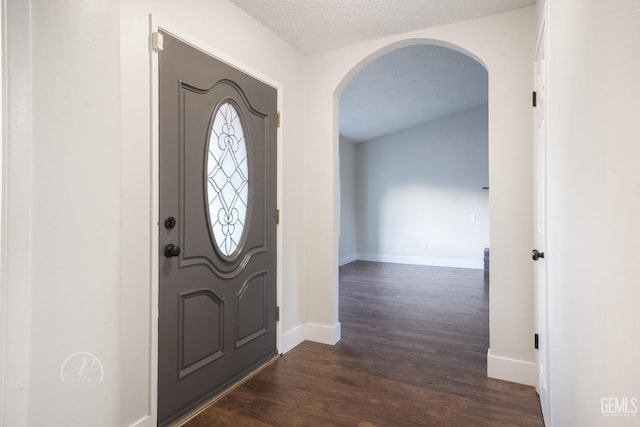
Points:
(217, 239)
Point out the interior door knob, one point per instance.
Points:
(171, 250)
(535, 254)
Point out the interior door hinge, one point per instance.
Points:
(277, 313)
(278, 119)
(535, 99)
(277, 216)
(535, 341)
(157, 42)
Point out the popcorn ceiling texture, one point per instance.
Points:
(314, 26)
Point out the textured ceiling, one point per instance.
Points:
(404, 88)
(317, 25)
(407, 87)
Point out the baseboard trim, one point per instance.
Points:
(347, 259)
(416, 260)
(309, 332)
(322, 334)
(145, 421)
(291, 339)
(513, 370)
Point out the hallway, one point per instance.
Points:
(413, 352)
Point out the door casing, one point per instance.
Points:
(157, 23)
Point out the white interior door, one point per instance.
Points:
(540, 230)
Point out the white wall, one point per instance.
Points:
(593, 209)
(75, 229)
(79, 186)
(17, 205)
(348, 193)
(420, 197)
(504, 43)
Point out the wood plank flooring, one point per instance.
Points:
(413, 353)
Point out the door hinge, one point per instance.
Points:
(535, 341)
(277, 313)
(535, 99)
(277, 216)
(157, 42)
(278, 119)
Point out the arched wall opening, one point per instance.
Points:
(504, 44)
(413, 153)
(414, 159)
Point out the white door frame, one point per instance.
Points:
(157, 23)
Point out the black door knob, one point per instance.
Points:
(171, 250)
(535, 254)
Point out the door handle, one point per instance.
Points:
(171, 250)
(535, 254)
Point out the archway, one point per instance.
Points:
(499, 43)
(404, 117)
(346, 79)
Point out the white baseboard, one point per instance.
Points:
(416, 260)
(145, 421)
(309, 332)
(347, 259)
(322, 334)
(514, 370)
(291, 339)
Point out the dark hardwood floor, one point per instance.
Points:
(413, 352)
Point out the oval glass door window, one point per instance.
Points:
(227, 179)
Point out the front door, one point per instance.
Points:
(217, 230)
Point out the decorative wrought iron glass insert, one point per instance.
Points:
(227, 179)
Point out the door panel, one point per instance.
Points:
(540, 224)
(217, 287)
(252, 309)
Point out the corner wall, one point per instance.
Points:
(504, 43)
